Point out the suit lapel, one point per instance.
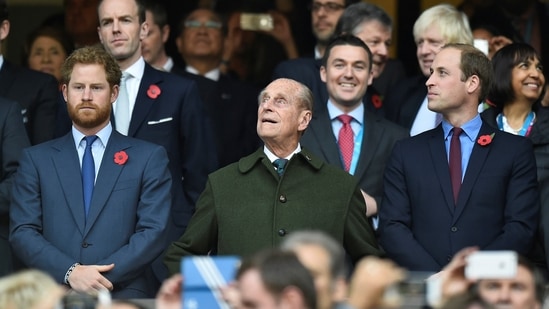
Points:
(474, 167)
(440, 163)
(67, 166)
(107, 178)
(143, 103)
(322, 131)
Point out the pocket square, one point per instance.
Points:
(160, 121)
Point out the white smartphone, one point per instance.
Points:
(256, 22)
(491, 265)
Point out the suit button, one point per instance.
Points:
(281, 232)
(454, 229)
(448, 258)
(282, 199)
(85, 245)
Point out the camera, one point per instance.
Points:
(491, 265)
(256, 22)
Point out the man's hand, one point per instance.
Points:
(371, 205)
(169, 295)
(85, 278)
(452, 277)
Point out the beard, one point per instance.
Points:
(89, 119)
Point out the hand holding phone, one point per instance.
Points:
(491, 265)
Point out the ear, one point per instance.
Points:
(323, 73)
(64, 90)
(472, 84)
(370, 78)
(165, 33)
(179, 44)
(99, 34)
(144, 31)
(305, 119)
(4, 29)
(114, 93)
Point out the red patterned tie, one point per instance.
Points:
(455, 162)
(346, 140)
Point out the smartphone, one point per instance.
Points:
(491, 265)
(204, 276)
(408, 293)
(256, 22)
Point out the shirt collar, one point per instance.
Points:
(470, 128)
(1, 60)
(103, 135)
(213, 74)
(273, 157)
(357, 113)
(136, 70)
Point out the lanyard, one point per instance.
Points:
(526, 126)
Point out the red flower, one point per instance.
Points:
(120, 157)
(376, 100)
(154, 91)
(485, 139)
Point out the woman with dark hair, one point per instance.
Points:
(46, 49)
(517, 107)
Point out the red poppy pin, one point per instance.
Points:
(485, 139)
(376, 101)
(154, 91)
(120, 157)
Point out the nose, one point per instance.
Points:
(429, 81)
(87, 94)
(504, 295)
(46, 57)
(383, 49)
(115, 26)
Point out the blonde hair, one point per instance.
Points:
(26, 289)
(452, 24)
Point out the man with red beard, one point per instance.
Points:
(91, 208)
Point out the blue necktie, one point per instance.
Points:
(280, 164)
(88, 172)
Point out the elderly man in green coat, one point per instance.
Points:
(254, 203)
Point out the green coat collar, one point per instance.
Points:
(247, 163)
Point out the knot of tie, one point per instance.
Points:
(345, 119)
(280, 164)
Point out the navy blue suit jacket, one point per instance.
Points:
(126, 224)
(402, 103)
(37, 93)
(307, 72)
(497, 208)
(176, 120)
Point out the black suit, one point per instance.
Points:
(37, 93)
(232, 106)
(13, 139)
(307, 72)
(403, 102)
(378, 139)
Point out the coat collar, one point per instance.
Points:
(248, 163)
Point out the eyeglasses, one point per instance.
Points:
(329, 7)
(210, 24)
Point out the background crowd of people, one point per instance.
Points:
(129, 141)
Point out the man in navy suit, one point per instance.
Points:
(107, 235)
(36, 92)
(462, 183)
(347, 72)
(163, 108)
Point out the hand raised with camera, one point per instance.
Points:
(169, 295)
(86, 278)
(282, 32)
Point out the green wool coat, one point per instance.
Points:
(246, 207)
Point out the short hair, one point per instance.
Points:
(302, 93)
(279, 270)
(158, 10)
(92, 55)
(55, 33)
(4, 12)
(346, 39)
(357, 14)
(452, 24)
(474, 62)
(140, 10)
(26, 289)
(503, 62)
(335, 251)
(466, 300)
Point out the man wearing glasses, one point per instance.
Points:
(230, 103)
(324, 17)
